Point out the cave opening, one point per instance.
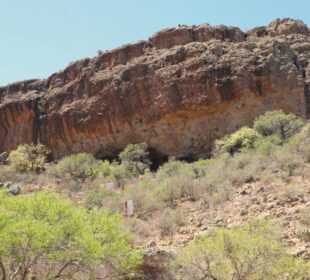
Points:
(188, 158)
(157, 159)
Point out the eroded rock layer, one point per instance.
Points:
(177, 91)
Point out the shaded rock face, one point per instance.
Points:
(178, 91)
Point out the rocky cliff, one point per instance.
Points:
(178, 91)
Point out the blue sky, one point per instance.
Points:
(39, 37)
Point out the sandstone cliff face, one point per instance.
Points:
(177, 91)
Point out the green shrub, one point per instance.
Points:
(102, 198)
(218, 193)
(171, 168)
(29, 158)
(300, 143)
(245, 167)
(291, 190)
(192, 189)
(149, 204)
(266, 145)
(278, 123)
(164, 189)
(179, 216)
(138, 196)
(285, 161)
(135, 158)
(245, 137)
(72, 185)
(77, 167)
(170, 221)
(105, 169)
(199, 167)
(249, 252)
(145, 202)
(169, 190)
(221, 176)
(118, 172)
(48, 237)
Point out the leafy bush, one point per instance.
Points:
(50, 238)
(285, 161)
(171, 168)
(300, 143)
(225, 172)
(105, 169)
(118, 172)
(170, 221)
(98, 198)
(248, 252)
(145, 201)
(192, 189)
(199, 167)
(94, 198)
(278, 123)
(29, 158)
(169, 190)
(77, 167)
(72, 185)
(245, 137)
(135, 158)
(266, 145)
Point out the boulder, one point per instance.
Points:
(11, 188)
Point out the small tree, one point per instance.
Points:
(29, 158)
(248, 252)
(46, 236)
(245, 137)
(77, 167)
(118, 172)
(135, 158)
(105, 168)
(278, 123)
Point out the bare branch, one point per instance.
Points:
(59, 273)
(15, 272)
(2, 270)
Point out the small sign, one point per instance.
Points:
(128, 208)
(110, 186)
(120, 184)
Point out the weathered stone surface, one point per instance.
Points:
(11, 188)
(3, 157)
(178, 91)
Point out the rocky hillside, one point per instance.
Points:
(178, 91)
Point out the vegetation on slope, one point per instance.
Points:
(252, 251)
(276, 148)
(47, 237)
